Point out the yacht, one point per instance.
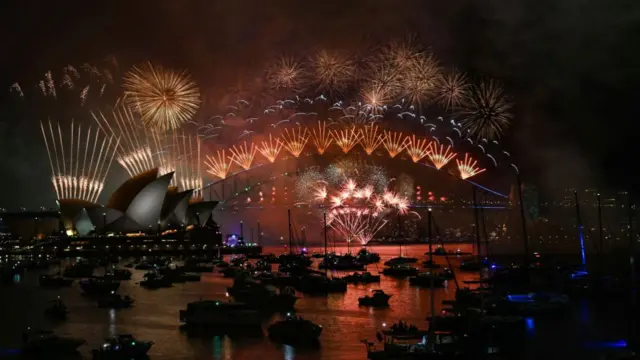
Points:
(377, 299)
(295, 330)
(54, 281)
(48, 344)
(400, 271)
(98, 287)
(218, 313)
(262, 296)
(115, 301)
(122, 347)
(400, 261)
(427, 279)
(118, 274)
(361, 278)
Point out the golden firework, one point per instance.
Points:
(440, 155)
(394, 142)
(346, 138)
(294, 141)
(322, 137)
(270, 149)
(417, 148)
(218, 165)
(370, 138)
(164, 98)
(468, 167)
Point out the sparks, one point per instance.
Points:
(370, 138)
(485, 112)
(271, 149)
(394, 142)
(440, 156)
(322, 138)
(468, 167)
(346, 138)
(417, 148)
(219, 164)
(295, 141)
(243, 155)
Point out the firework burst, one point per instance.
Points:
(468, 167)
(243, 155)
(218, 165)
(286, 74)
(421, 79)
(332, 71)
(417, 148)
(370, 138)
(453, 90)
(440, 156)
(485, 112)
(164, 98)
(322, 138)
(394, 142)
(295, 141)
(346, 138)
(271, 149)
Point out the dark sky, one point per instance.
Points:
(570, 65)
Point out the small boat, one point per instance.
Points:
(222, 265)
(430, 264)
(238, 260)
(378, 299)
(195, 267)
(79, 270)
(427, 279)
(54, 281)
(439, 251)
(46, 344)
(262, 265)
(217, 313)
(447, 273)
(115, 301)
(319, 284)
(122, 347)
(295, 330)
(366, 257)
(260, 296)
(118, 274)
(400, 261)
(400, 271)
(345, 262)
(361, 278)
(98, 287)
(153, 280)
(57, 311)
(231, 272)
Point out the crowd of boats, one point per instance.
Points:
(488, 320)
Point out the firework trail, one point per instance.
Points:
(218, 165)
(79, 163)
(322, 138)
(453, 90)
(243, 155)
(294, 141)
(346, 139)
(271, 149)
(468, 167)
(485, 111)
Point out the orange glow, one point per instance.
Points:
(468, 167)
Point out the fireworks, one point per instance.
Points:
(468, 167)
(453, 89)
(183, 157)
(331, 71)
(286, 74)
(295, 141)
(243, 155)
(164, 98)
(307, 185)
(370, 138)
(357, 213)
(394, 142)
(346, 138)
(271, 149)
(417, 148)
(322, 138)
(485, 111)
(219, 164)
(79, 164)
(421, 79)
(136, 151)
(440, 156)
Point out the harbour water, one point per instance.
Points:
(155, 317)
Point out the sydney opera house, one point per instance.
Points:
(144, 203)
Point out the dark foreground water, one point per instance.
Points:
(155, 317)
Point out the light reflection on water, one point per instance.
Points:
(155, 315)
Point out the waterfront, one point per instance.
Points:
(155, 317)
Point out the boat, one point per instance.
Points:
(295, 330)
(262, 265)
(447, 273)
(122, 347)
(98, 286)
(270, 258)
(153, 280)
(115, 301)
(378, 299)
(231, 272)
(366, 257)
(238, 260)
(428, 279)
(403, 341)
(57, 311)
(118, 274)
(400, 261)
(46, 344)
(400, 271)
(430, 264)
(54, 281)
(470, 265)
(319, 284)
(79, 270)
(345, 262)
(217, 313)
(361, 278)
(195, 266)
(261, 296)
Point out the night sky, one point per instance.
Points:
(570, 66)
